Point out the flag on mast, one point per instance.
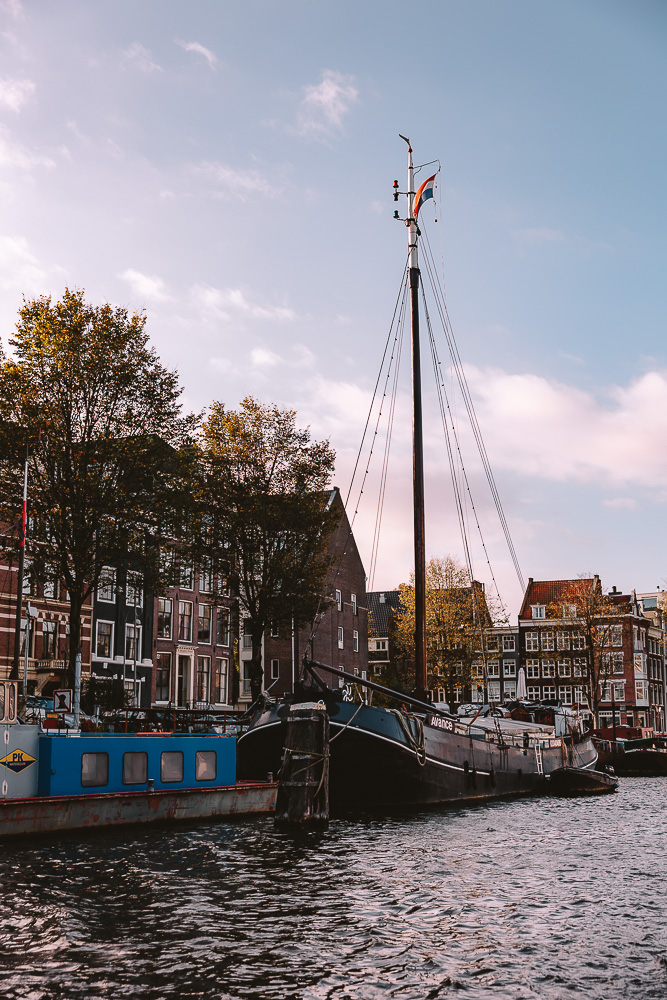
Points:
(425, 192)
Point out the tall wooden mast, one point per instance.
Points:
(417, 442)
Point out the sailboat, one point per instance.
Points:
(416, 753)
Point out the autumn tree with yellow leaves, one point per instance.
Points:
(456, 616)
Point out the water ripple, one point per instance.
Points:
(533, 899)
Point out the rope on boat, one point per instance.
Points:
(415, 744)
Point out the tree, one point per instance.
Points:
(267, 515)
(456, 616)
(591, 617)
(99, 409)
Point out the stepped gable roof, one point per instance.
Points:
(382, 604)
(550, 591)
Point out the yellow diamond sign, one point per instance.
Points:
(17, 760)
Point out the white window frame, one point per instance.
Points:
(509, 644)
(538, 611)
(532, 642)
(353, 601)
(103, 621)
(341, 638)
(275, 669)
(355, 641)
(107, 580)
(339, 600)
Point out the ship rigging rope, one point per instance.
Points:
(459, 480)
(396, 330)
(467, 398)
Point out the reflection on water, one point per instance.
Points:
(532, 899)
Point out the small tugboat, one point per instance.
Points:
(51, 782)
(630, 753)
(579, 781)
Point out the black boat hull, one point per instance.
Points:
(381, 758)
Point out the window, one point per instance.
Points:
(185, 621)
(538, 611)
(477, 695)
(134, 594)
(549, 693)
(247, 641)
(617, 663)
(509, 690)
(165, 613)
(619, 690)
(477, 670)
(547, 641)
(508, 644)
(579, 695)
(569, 611)
(27, 577)
(353, 601)
(103, 642)
(171, 766)
(205, 765)
(220, 680)
(380, 644)
(578, 640)
(135, 767)
(493, 668)
(563, 640)
(94, 769)
(31, 643)
(339, 600)
(163, 677)
(223, 626)
(51, 583)
(340, 638)
(565, 694)
(532, 642)
(492, 643)
(579, 666)
(132, 642)
(548, 668)
(205, 577)
(246, 685)
(509, 668)
(564, 668)
(616, 635)
(355, 642)
(640, 690)
(204, 628)
(533, 692)
(186, 575)
(494, 690)
(106, 585)
(49, 640)
(532, 668)
(275, 669)
(203, 677)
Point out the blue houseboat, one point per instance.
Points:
(51, 782)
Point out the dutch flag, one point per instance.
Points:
(425, 192)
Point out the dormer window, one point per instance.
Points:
(538, 610)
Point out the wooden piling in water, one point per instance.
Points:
(303, 783)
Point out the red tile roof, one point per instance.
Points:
(550, 591)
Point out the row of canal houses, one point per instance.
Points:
(549, 650)
(188, 648)
(185, 647)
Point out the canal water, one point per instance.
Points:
(545, 899)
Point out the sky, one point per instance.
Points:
(228, 167)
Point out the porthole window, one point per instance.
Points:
(205, 765)
(171, 766)
(94, 769)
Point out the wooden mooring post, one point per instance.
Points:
(303, 784)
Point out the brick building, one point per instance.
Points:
(339, 636)
(554, 653)
(123, 633)
(48, 648)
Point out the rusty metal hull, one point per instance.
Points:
(20, 817)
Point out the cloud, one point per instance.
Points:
(534, 237)
(14, 93)
(232, 182)
(21, 271)
(14, 156)
(621, 503)
(13, 7)
(325, 104)
(543, 428)
(146, 286)
(260, 357)
(209, 56)
(231, 303)
(141, 57)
